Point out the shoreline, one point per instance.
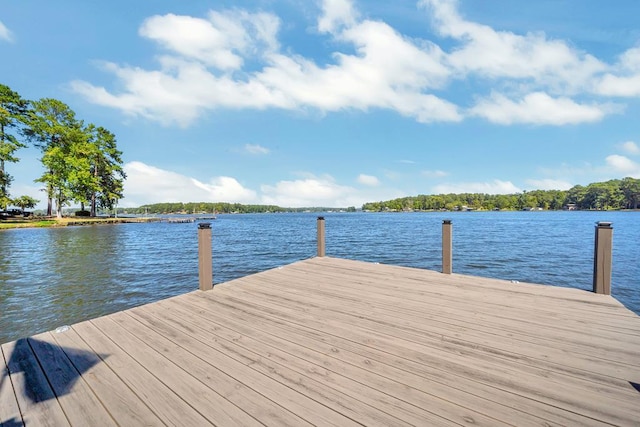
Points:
(70, 222)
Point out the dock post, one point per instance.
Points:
(321, 245)
(447, 244)
(602, 258)
(205, 263)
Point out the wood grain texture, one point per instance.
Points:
(329, 341)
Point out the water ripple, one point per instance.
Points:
(54, 277)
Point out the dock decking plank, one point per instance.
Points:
(163, 401)
(330, 357)
(77, 400)
(464, 298)
(173, 374)
(222, 385)
(9, 410)
(36, 399)
(329, 341)
(212, 334)
(575, 394)
(414, 313)
(615, 361)
(341, 394)
(123, 404)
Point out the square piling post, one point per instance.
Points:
(205, 262)
(602, 258)
(321, 242)
(447, 246)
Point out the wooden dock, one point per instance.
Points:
(329, 341)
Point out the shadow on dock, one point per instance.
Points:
(64, 367)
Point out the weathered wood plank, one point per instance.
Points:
(617, 358)
(307, 409)
(425, 365)
(186, 388)
(36, 399)
(77, 400)
(415, 280)
(9, 410)
(320, 360)
(224, 390)
(166, 404)
(576, 394)
(354, 400)
(127, 408)
(391, 279)
(579, 331)
(329, 341)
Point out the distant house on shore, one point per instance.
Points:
(570, 207)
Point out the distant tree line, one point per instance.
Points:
(81, 161)
(215, 208)
(609, 195)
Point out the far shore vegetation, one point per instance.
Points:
(615, 194)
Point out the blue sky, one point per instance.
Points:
(336, 102)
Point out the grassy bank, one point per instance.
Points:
(66, 222)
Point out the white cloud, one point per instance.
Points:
(233, 59)
(623, 165)
(434, 174)
(336, 13)
(548, 184)
(148, 184)
(494, 187)
(322, 191)
(5, 33)
(630, 147)
(220, 41)
(255, 149)
(368, 180)
(624, 81)
(537, 108)
(500, 54)
(386, 71)
(619, 86)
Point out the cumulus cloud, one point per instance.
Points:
(148, 184)
(312, 191)
(622, 165)
(256, 149)
(220, 41)
(369, 180)
(498, 54)
(494, 187)
(5, 33)
(233, 59)
(537, 108)
(203, 69)
(336, 13)
(624, 81)
(630, 147)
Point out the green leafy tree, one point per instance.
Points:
(630, 187)
(12, 113)
(53, 128)
(106, 169)
(25, 202)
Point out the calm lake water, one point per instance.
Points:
(54, 277)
